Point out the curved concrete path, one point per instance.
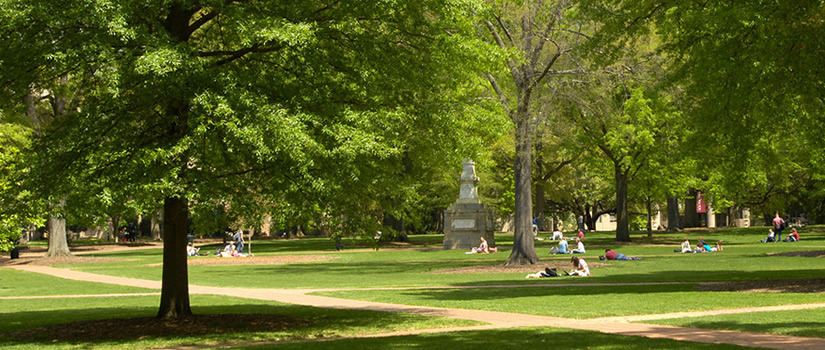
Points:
(495, 319)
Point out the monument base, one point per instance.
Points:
(465, 224)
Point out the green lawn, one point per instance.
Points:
(582, 302)
(743, 259)
(23, 283)
(309, 323)
(802, 323)
(525, 338)
(393, 266)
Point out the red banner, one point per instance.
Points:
(701, 206)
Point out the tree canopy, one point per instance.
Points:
(310, 104)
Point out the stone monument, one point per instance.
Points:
(468, 219)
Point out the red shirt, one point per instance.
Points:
(610, 255)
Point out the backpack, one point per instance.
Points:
(554, 250)
(551, 272)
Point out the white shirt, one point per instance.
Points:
(583, 267)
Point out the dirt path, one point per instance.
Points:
(495, 319)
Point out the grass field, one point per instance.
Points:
(474, 282)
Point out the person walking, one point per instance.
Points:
(238, 238)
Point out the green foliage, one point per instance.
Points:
(17, 209)
(748, 73)
(296, 110)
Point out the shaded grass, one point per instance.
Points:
(802, 323)
(316, 323)
(523, 338)
(581, 302)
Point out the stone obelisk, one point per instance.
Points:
(468, 219)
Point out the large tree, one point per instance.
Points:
(190, 102)
(540, 36)
(752, 75)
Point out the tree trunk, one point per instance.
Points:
(622, 220)
(524, 252)
(397, 225)
(174, 295)
(115, 225)
(673, 222)
(157, 222)
(58, 246)
(649, 224)
(589, 220)
(691, 216)
(540, 186)
(249, 240)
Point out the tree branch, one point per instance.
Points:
(234, 55)
(497, 88)
(546, 70)
(504, 28)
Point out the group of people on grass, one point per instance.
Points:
(774, 237)
(775, 233)
(230, 250)
(563, 245)
(701, 246)
(580, 268)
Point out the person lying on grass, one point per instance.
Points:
(611, 255)
(548, 272)
(579, 267)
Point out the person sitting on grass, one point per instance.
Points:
(563, 246)
(771, 237)
(579, 247)
(611, 255)
(548, 272)
(686, 246)
(483, 248)
(793, 237)
(579, 267)
(191, 250)
(229, 250)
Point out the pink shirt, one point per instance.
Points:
(777, 221)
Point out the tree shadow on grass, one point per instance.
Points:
(529, 338)
(794, 328)
(690, 279)
(210, 325)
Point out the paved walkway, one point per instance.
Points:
(494, 319)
